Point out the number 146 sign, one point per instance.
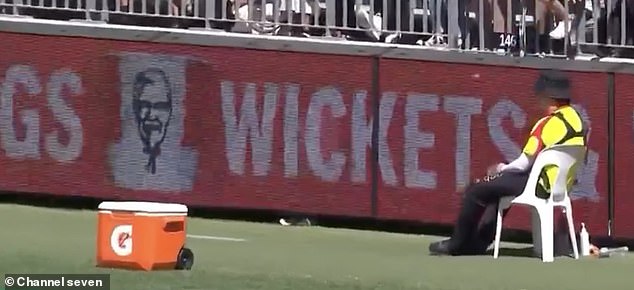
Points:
(508, 40)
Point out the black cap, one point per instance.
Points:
(553, 84)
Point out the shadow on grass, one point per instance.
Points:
(526, 252)
(514, 252)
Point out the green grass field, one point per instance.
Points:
(38, 240)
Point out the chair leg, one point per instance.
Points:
(571, 231)
(547, 235)
(536, 231)
(498, 232)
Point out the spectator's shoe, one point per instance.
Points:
(434, 40)
(589, 5)
(479, 248)
(392, 38)
(560, 31)
(440, 248)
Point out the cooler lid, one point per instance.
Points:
(140, 206)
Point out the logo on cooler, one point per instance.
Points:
(121, 240)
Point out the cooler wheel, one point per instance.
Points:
(185, 259)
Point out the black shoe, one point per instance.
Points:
(440, 248)
(479, 248)
(484, 247)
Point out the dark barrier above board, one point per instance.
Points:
(227, 127)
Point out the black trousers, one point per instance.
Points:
(475, 228)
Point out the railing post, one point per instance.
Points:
(210, 12)
(453, 24)
(623, 21)
(90, 6)
(330, 16)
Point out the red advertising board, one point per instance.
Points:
(93, 117)
(624, 146)
(227, 127)
(451, 121)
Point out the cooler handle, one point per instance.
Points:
(174, 227)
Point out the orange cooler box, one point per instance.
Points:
(141, 235)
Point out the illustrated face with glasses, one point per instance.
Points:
(152, 104)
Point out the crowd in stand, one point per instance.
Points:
(597, 27)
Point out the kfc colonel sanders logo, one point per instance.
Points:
(152, 103)
(149, 155)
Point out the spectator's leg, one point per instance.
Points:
(540, 17)
(602, 33)
(463, 20)
(441, 21)
(465, 230)
(557, 8)
(388, 18)
(563, 26)
(488, 223)
(499, 22)
(489, 42)
(543, 39)
(468, 238)
(576, 30)
(473, 24)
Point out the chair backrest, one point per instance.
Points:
(565, 157)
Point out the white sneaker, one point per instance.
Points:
(559, 32)
(392, 38)
(434, 40)
(589, 5)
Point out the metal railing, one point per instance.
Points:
(519, 27)
(605, 25)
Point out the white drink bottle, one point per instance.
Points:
(584, 238)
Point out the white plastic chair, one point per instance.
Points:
(564, 157)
